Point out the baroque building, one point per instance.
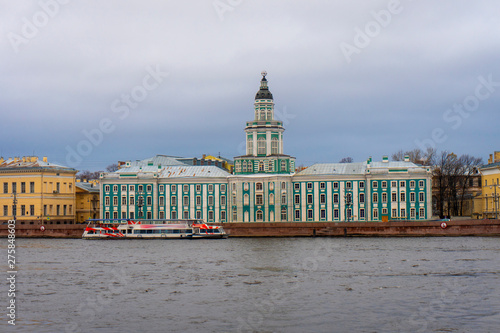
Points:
(265, 187)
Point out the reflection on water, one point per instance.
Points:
(258, 285)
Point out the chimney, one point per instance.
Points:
(45, 159)
(385, 159)
(407, 158)
(16, 159)
(497, 157)
(1, 160)
(204, 155)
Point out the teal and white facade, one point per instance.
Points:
(265, 187)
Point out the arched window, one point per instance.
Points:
(274, 146)
(261, 166)
(261, 146)
(258, 186)
(244, 166)
(259, 215)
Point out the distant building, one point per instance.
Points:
(87, 200)
(491, 186)
(44, 192)
(265, 186)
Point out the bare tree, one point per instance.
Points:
(346, 160)
(88, 175)
(112, 167)
(417, 156)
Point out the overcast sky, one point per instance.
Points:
(89, 83)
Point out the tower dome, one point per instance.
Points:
(263, 92)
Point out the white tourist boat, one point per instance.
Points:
(151, 229)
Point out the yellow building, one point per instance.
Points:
(36, 191)
(491, 186)
(87, 200)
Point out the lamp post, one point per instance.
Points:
(495, 199)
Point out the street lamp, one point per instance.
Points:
(495, 199)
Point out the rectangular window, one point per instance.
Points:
(5, 187)
(198, 200)
(403, 212)
(210, 215)
(322, 214)
(421, 197)
(384, 211)
(58, 187)
(283, 165)
(309, 199)
(106, 188)
(421, 213)
(32, 210)
(283, 199)
(412, 184)
(421, 183)
(124, 201)
(115, 201)
(149, 188)
(115, 188)
(402, 184)
(375, 213)
(336, 198)
(149, 215)
(149, 201)
(322, 185)
(384, 197)
(283, 214)
(412, 196)
(131, 188)
(309, 214)
(223, 188)
(361, 198)
(297, 199)
(361, 184)
(162, 200)
(258, 186)
(185, 215)
(106, 215)
(140, 188)
(58, 210)
(185, 200)
(362, 213)
(198, 188)
(402, 196)
(210, 187)
(23, 210)
(296, 186)
(23, 187)
(394, 197)
(210, 200)
(309, 186)
(186, 188)
(173, 215)
(235, 215)
(258, 199)
(384, 184)
(394, 213)
(375, 198)
(336, 213)
(32, 187)
(106, 201)
(131, 200)
(223, 200)
(322, 198)
(124, 188)
(124, 215)
(223, 215)
(173, 201)
(394, 184)
(348, 185)
(412, 213)
(64, 209)
(174, 188)
(297, 214)
(335, 185)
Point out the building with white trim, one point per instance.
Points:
(264, 186)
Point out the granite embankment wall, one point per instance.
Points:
(303, 229)
(384, 229)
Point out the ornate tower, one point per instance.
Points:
(264, 139)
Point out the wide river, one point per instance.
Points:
(256, 285)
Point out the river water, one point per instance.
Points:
(257, 285)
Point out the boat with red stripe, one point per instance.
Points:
(151, 229)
